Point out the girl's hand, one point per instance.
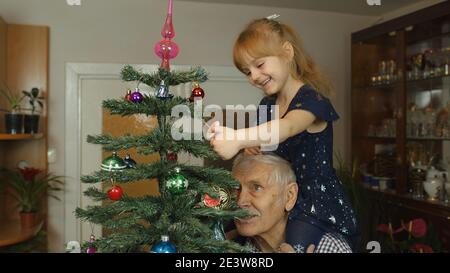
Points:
(252, 150)
(224, 141)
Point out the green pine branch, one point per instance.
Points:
(195, 74)
(141, 172)
(150, 106)
(221, 214)
(155, 141)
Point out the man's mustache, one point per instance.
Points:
(251, 213)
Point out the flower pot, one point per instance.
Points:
(28, 219)
(31, 124)
(14, 123)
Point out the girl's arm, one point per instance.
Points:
(227, 142)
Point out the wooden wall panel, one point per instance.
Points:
(27, 67)
(27, 49)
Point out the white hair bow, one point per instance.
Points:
(273, 16)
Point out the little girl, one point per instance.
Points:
(271, 55)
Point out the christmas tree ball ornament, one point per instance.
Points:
(172, 157)
(218, 203)
(128, 95)
(164, 246)
(197, 93)
(166, 49)
(137, 96)
(177, 183)
(163, 91)
(91, 249)
(115, 193)
(131, 164)
(113, 163)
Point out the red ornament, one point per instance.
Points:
(128, 95)
(197, 92)
(115, 193)
(172, 157)
(210, 202)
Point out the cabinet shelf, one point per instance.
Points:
(428, 138)
(427, 80)
(381, 86)
(21, 136)
(408, 200)
(377, 138)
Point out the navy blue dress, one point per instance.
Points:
(322, 206)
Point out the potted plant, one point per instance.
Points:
(415, 236)
(31, 122)
(29, 187)
(13, 117)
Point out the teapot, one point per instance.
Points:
(433, 186)
(432, 173)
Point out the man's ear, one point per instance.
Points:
(288, 50)
(292, 191)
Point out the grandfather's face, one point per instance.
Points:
(262, 198)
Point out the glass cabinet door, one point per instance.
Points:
(377, 85)
(428, 103)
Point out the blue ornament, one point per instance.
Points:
(164, 246)
(163, 91)
(131, 164)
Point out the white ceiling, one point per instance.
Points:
(343, 6)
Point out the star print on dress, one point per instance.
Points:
(313, 209)
(332, 219)
(341, 202)
(323, 188)
(299, 248)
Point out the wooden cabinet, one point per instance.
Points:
(24, 56)
(400, 121)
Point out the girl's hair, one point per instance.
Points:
(265, 37)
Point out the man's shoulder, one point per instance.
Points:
(333, 243)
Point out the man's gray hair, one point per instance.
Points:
(281, 172)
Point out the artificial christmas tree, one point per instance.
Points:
(193, 201)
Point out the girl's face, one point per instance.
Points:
(269, 74)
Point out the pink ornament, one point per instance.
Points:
(166, 49)
(168, 32)
(91, 249)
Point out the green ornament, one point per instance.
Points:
(177, 183)
(113, 163)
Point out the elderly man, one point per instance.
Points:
(269, 191)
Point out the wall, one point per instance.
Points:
(117, 31)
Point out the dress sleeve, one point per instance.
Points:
(263, 113)
(309, 100)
